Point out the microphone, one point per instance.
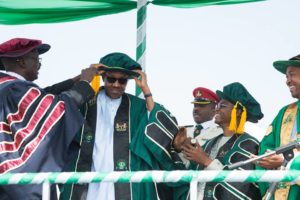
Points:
(278, 150)
(292, 145)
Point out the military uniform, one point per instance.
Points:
(207, 129)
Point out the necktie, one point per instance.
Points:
(197, 130)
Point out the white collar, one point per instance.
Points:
(18, 76)
(109, 101)
(208, 124)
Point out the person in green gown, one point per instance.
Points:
(123, 132)
(236, 106)
(284, 129)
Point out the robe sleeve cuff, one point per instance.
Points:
(81, 92)
(215, 165)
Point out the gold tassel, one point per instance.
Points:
(241, 127)
(95, 84)
(232, 125)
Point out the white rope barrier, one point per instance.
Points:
(192, 177)
(152, 176)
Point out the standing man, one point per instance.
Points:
(235, 108)
(203, 112)
(124, 133)
(204, 102)
(36, 127)
(284, 129)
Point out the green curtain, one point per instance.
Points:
(198, 3)
(51, 11)
(14, 12)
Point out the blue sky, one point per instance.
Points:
(186, 48)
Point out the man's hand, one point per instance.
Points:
(98, 67)
(179, 139)
(195, 153)
(142, 82)
(271, 162)
(88, 74)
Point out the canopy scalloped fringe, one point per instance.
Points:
(13, 12)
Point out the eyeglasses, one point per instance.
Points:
(221, 105)
(39, 60)
(113, 80)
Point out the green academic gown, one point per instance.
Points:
(278, 134)
(148, 146)
(237, 148)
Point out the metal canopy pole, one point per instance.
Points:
(141, 39)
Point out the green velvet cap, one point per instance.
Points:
(120, 62)
(282, 65)
(237, 92)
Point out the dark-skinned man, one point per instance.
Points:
(284, 129)
(125, 133)
(37, 125)
(203, 113)
(204, 103)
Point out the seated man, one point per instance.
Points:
(235, 108)
(124, 133)
(36, 126)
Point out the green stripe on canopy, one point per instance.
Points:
(198, 3)
(14, 12)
